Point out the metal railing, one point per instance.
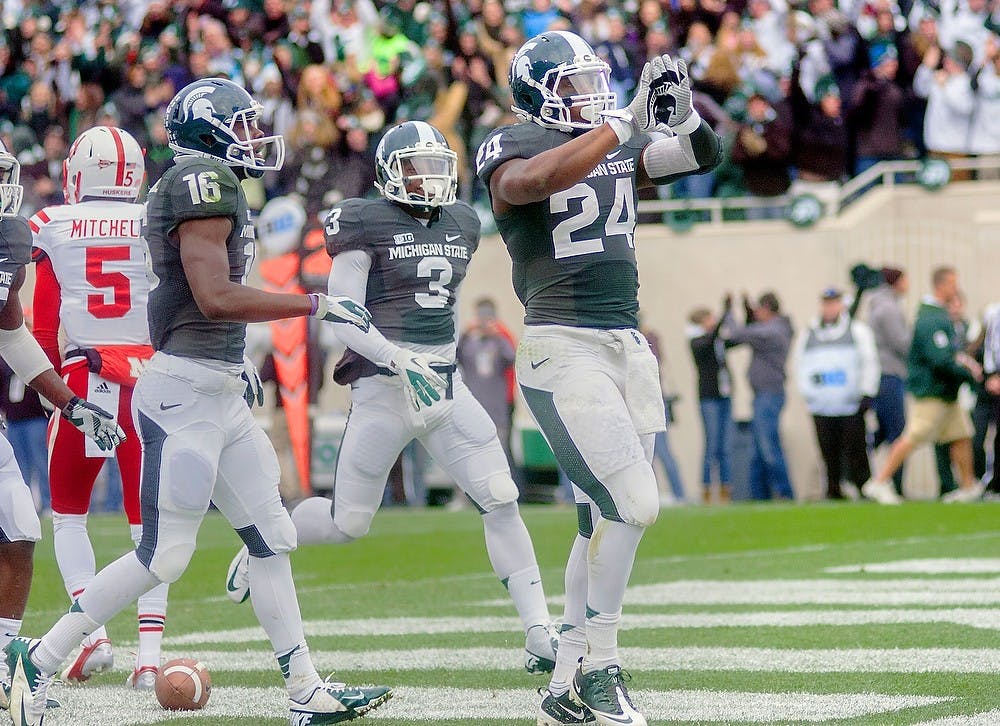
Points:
(884, 173)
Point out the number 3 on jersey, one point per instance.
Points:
(621, 218)
(439, 294)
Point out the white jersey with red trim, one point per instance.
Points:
(98, 255)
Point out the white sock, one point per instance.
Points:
(513, 558)
(9, 629)
(573, 637)
(112, 589)
(313, 520)
(609, 564)
(152, 617)
(75, 557)
(277, 609)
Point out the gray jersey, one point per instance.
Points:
(194, 188)
(15, 253)
(574, 252)
(415, 268)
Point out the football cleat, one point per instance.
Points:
(92, 659)
(540, 646)
(143, 679)
(28, 684)
(556, 710)
(336, 702)
(238, 577)
(605, 694)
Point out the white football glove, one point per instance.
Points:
(254, 392)
(673, 105)
(94, 422)
(663, 96)
(421, 382)
(342, 309)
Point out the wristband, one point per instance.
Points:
(688, 125)
(313, 303)
(622, 122)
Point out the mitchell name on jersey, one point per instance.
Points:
(416, 267)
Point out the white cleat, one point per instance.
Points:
(143, 679)
(238, 577)
(540, 646)
(881, 492)
(335, 702)
(91, 660)
(965, 494)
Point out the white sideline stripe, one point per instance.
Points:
(973, 617)
(118, 705)
(987, 718)
(855, 660)
(934, 566)
(833, 591)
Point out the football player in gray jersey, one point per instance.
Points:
(19, 526)
(563, 187)
(200, 442)
(405, 256)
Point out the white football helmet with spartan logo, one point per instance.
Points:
(105, 162)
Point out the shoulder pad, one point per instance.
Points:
(15, 241)
(344, 228)
(201, 188)
(520, 141)
(468, 221)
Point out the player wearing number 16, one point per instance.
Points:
(200, 441)
(563, 187)
(90, 267)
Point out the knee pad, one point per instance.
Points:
(273, 534)
(169, 563)
(635, 495)
(502, 488)
(353, 523)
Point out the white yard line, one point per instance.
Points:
(934, 566)
(117, 705)
(986, 718)
(772, 660)
(973, 617)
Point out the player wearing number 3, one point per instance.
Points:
(90, 267)
(563, 188)
(405, 256)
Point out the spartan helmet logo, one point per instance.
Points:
(196, 105)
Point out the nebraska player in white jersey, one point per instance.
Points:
(90, 267)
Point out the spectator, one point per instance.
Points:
(950, 103)
(877, 110)
(762, 148)
(308, 171)
(769, 335)
(985, 133)
(661, 443)
(354, 164)
(991, 371)
(615, 51)
(714, 390)
(892, 340)
(821, 142)
(838, 376)
(318, 92)
(485, 355)
(538, 17)
(39, 108)
(935, 374)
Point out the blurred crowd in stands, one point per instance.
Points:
(805, 93)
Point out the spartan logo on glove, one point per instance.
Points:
(663, 101)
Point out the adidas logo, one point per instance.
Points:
(103, 388)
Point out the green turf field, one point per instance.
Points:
(853, 614)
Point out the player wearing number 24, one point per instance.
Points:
(405, 256)
(563, 186)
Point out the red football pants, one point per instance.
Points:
(72, 474)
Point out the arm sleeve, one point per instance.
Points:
(349, 276)
(47, 299)
(667, 159)
(871, 371)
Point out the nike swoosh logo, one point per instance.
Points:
(535, 365)
(613, 154)
(452, 237)
(229, 584)
(4, 259)
(534, 582)
(164, 407)
(575, 714)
